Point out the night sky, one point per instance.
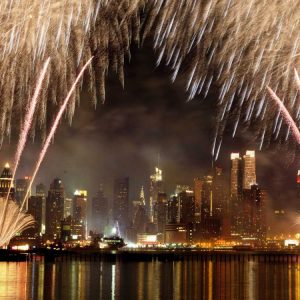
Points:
(124, 136)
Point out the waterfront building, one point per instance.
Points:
(121, 202)
(162, 212)
(80, 211)
(40, 191)
(22, 185)
(68, 207)
(35, 208)
(54, 209)
(100, 211)
(249, 170)
(198, 182)
(156, 187)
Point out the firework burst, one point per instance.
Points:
(237, 47)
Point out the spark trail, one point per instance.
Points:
(286, 115)
(24, 132)
(54, 128)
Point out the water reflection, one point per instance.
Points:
(207, 279)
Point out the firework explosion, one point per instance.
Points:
(8, 230)
(238, 47)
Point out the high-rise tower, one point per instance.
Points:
(121, 202)
(249, 170)
(54, 209)
(156, 187)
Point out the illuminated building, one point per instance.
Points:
(220, 207)
(40, 191)
(254, 214)
(176, 234)
(172, 209)
(35, 208)
(236, 193)
(162, 212)
(121, 202)
(156, 186)
(80, 211)
(68, 207)
(236, 178)
(249, 170)
(207, 197)
(6, 182)
(100, 212)
(71, 230)
(197, 194)
(140, 214)
(22, 185)
(54, 209)
(186, 207)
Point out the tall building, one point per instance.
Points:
(254, 214)
(156, 186)
(100, 212)
(186, 207)
(236, 194)
(6, 183)
(162, 211)
(54, 209)
(173, 209)
(40, 191)
(249, 170)
(22, 185)
(35, 208)
(121, 202)
(80, 211)
(236, 178)
(197, 194)
(68, 207)
(207, 197)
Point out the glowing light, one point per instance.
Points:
(7, 166)
(288, 243)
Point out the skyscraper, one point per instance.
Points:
(100, 211)
(197, 194)
(54, 209)
(186, 207)
(22, 185)
(80, 211)
(236, 194)
(236, 178)
(6, 183)
(254, 213)
(249, 170)
(68, 207)
(140, 219)
(162, 211)
(156, 186)
(40, 191)
(121, 202)
(35, 208)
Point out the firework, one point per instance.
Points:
(237, 47)
(286, 115)
(53, 129)
(9, 228)
(24, 133)
(70, 31)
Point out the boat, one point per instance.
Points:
(113, 242)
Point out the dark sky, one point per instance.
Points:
(124, 136)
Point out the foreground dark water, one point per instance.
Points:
(150, 280)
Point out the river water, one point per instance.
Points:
(150, 280)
